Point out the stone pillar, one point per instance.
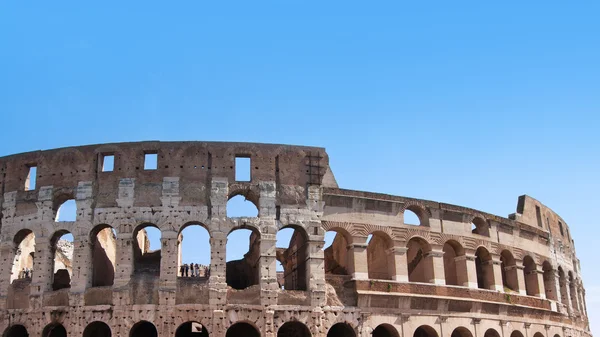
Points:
(557, 285)
(267, 263)
(316, 265)
(568, 296)
(7, 253)
(521, 278)
(82, 261)
(357, 253)
(217, 279)
(168, 267)
(466, 263)
(124, 263)
(435, 258)
(540, 280)
(497, 274)
(43, 266)
(398, 258)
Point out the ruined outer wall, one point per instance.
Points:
(290, 185)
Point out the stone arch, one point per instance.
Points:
(191, 329)
(385, 330)
(538, 334)
(199, 236)
(146, 261)
(54, 330)
(455, 264)
(244, 272)
(484, 268)
(461, 332)
(532, 286)
(508, 266)
(143, 329)
(103, 248)
(562, 281)
(380, 263)
(24, 253)
(419, 262)
(421, 213)
(341, 330)
(480, 226)
(242, 329)
(573, 290)
(97, 329)
(516, 333)
(16, 330)
(248, 195)
(425, 331)
(549, 281)
(338, 260)
(60, 201)
(293, 329)
(491, 333)
(295, 259)
(62, 263)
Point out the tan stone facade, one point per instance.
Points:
(459, 272)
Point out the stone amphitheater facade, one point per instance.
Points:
(460, 272)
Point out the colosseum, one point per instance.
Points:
(453, 272)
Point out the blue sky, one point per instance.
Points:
(472, 103)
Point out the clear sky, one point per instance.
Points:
(472, 103)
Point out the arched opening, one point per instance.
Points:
(22, 267)
(293, 329)
(335, 252)
(143, 329)
(193, 257)
(562, 281)
(97, 329)
(292, 256)
(455, 264)
(66, 210)
(16, 331)
(62, 251)
(146, 249)
(385, 330)
(104, 249)
(531, 276)
(516, 333)
(425, 331)
(538, 334)
(379, 262)
(573, 291)
(484, 268)
(480, 227)
(420, 264)
(54, 330)
(415, 216)
(191, 329)
(242, 258)
(549, 281)
(242, 206)
(341, 330)
(461, 332)
(491, 333)
(242, 329)
(508, 266)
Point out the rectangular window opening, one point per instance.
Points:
(108, 163)
(150, 161)
(242, 168)
(561, 228)
(538, 214)
(31, 178)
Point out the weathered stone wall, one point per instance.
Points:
(353, 288)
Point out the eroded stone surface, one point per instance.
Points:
(459, 272)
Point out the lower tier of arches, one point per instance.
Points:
(288, 321)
